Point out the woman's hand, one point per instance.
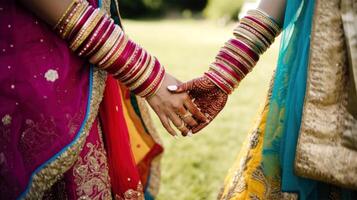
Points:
(177, 108)
(206, 95)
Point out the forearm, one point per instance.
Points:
(92, 34)
(252, 37)
(48, 10)
(274, 8)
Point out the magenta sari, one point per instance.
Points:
(49, 128)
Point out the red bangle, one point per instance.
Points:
(128, 79)
(270, 30)
(101, 40)
(72, 35)
(149, 80)
(218, 73)
(234, 62)
(218, 82)
(130, 66)
(93, 37)
(229, 70)
(245, 48)
(154, 89)
(120, 61)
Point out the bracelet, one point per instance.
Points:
(71, 5)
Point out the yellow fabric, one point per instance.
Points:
(138, 146)
(240, 183)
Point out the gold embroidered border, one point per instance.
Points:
(320, 153)
(44, 179)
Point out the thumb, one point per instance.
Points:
(179, 88)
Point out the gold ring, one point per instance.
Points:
(181, 126)
(187, 114)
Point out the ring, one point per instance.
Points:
(187, 114)
(181, 126)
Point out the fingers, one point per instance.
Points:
(199, 127)
(166, 123)
(178, 123)
(194, 110)
(186, 116)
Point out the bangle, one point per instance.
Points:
(259, 35)
(112, 63)
(218, 82)
(158, 86)
(81, 19)
(266, 19)
(137, 69)
(229, 49)
(112, 51)
(132, 67)
(70, 6)
(93, 37)
(128, 62)
(261, 26)
(87, 28)
(109, 29)
(154, 85)
(237, 65)
(106, 47)
(225, 75)
(144, 75)
(151, 75)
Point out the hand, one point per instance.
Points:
(206, 95)
(177, 108)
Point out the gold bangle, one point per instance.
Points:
(256, 33)
(249, 43)
(88, 28)
(229, 48)
(265, 19)
(145, 75)
(65, 13)
(111, 52)
(153, 84)
(128, 61)
(222, 81)
(101, 39)
(260, 28)
(137, 64)
(224, 73)
(141, 69)
(239, 52)
(253, 38)
(158, 85)
(106, 46)
(117, 54)
(74, 19)
(230, 65)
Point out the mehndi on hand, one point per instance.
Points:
(206, 95)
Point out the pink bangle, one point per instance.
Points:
(272, 31)
(149, 80)
(217, 82)
(92, 39)
(228, 70)
(235, 62)
(138, 69)
(245, 48)
(72, 35)
(119, 62)
(101, 40)
(128, 71)
(157, 83)
(102, 63)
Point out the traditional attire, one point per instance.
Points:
(68, 130)
(308, 125)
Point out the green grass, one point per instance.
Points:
(194, 168)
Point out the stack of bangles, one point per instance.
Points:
(253, 35)
(91, 33)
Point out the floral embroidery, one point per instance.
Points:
(6, 120)
(91, 174)
(51, 75)
(132, 194)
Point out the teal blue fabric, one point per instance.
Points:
(286, 103)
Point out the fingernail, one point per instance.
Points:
(189, 134)
(172, 87)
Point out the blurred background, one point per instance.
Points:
(186, 35)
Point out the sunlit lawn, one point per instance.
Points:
(194, 168)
